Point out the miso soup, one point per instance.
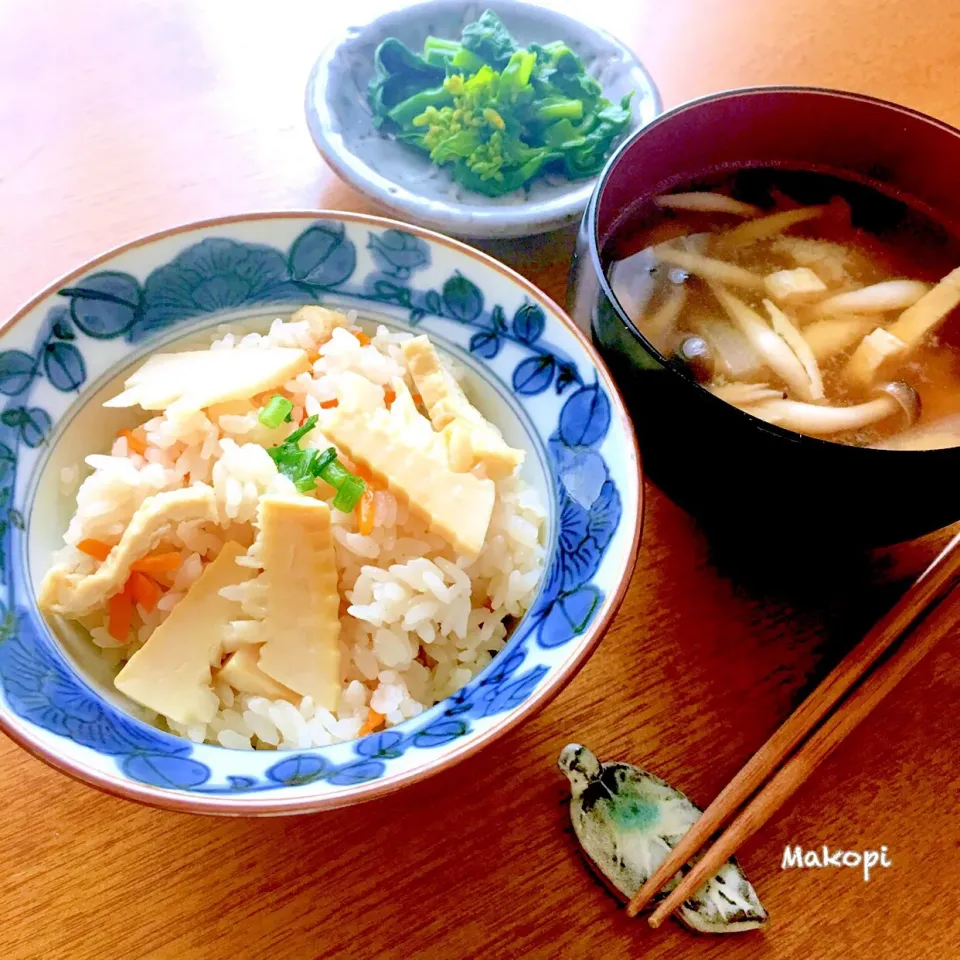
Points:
(818, 304)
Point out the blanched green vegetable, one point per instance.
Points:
(495, 113)
(489, 39)
(399, 73)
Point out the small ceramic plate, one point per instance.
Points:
(402, 178)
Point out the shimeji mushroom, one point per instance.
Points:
(708, 268)
(769, 344)
(742, 394)
(707, 203)
(763, 228)
(823, 421)
(877, 298)
(659, 325)
(783, 325)
(634, 281)
(695, 355)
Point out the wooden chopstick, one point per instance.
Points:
(917, 644)
(934, 583)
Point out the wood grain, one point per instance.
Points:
(118, 119)
(792, 776)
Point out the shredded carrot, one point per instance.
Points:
(363, 338)
(157, 564)
(95, 548)
(373, 721)
(417, 399)
(358, 469)
(134, 443)
(365, 512)
(146, 592)
(120, 619)
(328, 404)
(388, 397)
(361, 471)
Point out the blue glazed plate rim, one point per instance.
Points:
(21, 731)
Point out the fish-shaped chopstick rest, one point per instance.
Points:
(627, 820)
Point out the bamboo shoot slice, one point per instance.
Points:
(189, 381)
(171, 672)
(400, 447)
(302, 624)
(242, 672)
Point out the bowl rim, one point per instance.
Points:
(466, 220)
(21, 731)
(591, 225)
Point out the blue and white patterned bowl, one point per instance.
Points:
(531, 369)
(401, 177)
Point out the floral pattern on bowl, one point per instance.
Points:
(71, 341)
(403, 179)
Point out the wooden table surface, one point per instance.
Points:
(118, 119)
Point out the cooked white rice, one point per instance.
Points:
(417, 620)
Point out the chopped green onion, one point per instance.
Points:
(334, 473)
(349, 493)
(291, 461)
(304, 466)
(322, 461)
(275, 412)
(302, 430)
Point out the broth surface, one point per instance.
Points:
(858, 237)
